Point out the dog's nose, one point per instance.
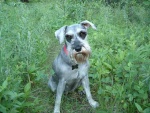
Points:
(78, 49)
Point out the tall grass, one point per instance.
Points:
(120, 65)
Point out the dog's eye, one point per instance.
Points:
(82, 34)
(69, 37)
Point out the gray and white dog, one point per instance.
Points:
(71, 65)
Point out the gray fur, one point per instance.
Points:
(66, 78)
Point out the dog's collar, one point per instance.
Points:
(65, 50)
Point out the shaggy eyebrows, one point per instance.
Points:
(80, 30)
(69, 32)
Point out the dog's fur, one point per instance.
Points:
(71, 65)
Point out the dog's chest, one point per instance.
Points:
(73, 74)
(73, 80)
(76, 74)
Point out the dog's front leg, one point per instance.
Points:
(85, 83)
(60, 90)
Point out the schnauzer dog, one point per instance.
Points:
(71, 65)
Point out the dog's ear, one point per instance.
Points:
(88, 24)
(60, 34)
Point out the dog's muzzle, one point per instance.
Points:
(80, 54)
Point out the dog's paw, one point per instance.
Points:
(94, 104)
(56, 111)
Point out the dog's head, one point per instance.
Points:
(75, 37)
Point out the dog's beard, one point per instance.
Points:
(81, 56)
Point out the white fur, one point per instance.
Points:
(70, 32)
(88, 24)
(60, 34)
(79, 30)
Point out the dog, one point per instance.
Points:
(72, 64)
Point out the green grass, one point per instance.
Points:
(120, 65)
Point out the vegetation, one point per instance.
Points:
(120, 61)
